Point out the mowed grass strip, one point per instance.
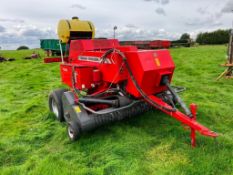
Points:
(32, 142)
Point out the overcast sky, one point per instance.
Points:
(24, 22)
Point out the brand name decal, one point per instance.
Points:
(95, 59)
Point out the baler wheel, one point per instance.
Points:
(73, 131)
(55, 103)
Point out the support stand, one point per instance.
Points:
(193, 109)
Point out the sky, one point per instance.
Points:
(25, 22)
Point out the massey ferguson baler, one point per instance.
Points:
(109, 82)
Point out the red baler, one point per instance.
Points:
(108, 82)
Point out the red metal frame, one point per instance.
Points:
(155, 44)
(54, 59)
(191, 122)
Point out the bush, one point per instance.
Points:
(22, 48)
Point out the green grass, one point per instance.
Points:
(32, 142)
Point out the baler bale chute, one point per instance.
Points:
(109, 82)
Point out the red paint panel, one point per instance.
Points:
(84, 77)
(148, 68)
(66, 74)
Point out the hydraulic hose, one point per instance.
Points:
(165, 81)
(143, 94)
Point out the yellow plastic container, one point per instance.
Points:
(75, 29)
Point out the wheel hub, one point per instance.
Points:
(55, 108)
(70, 132)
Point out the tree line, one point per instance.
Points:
(215, 37)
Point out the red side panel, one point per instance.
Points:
(148, 68)
(66, 74)
(79, 46)
(84, 77)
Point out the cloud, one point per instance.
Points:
(38, 33)
(25, 35)
(207, 18)
(211, 20)
(130, 26)
(2, 29)
(79, 6)
(163, 2)
(124, 33)
(160, 11)
(228, 8)
(11, 41)
(11, 20)
(201, 10)
(104, 15)
(152, 1)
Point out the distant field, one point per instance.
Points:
(32, 142)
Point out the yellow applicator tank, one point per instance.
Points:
(75, 29)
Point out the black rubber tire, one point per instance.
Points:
(55, 101)
(73, 131)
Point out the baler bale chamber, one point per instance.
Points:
(109, 82)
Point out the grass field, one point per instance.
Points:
(32, 142)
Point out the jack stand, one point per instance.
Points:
(193, 109)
